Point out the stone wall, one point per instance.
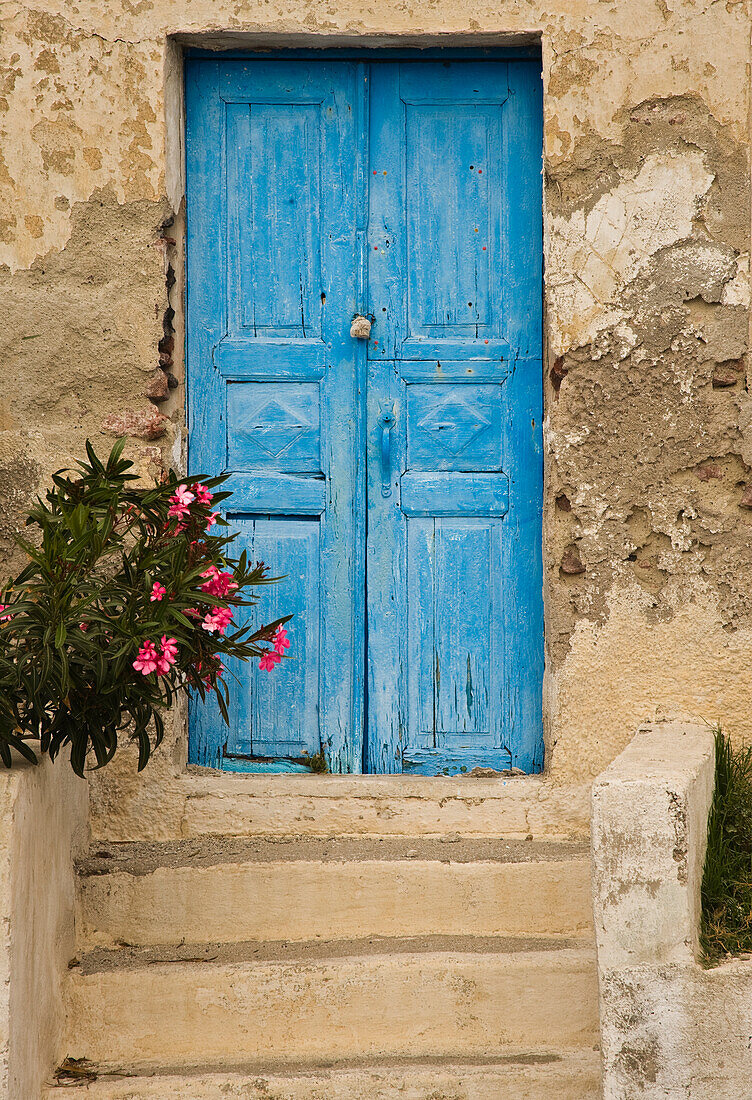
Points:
(647, 432)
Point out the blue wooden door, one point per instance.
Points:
(273, 207)
(455, 632)
(395, 482)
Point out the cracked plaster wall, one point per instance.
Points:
(647, 432)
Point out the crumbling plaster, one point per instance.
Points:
(647, 431)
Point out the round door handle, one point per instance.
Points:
(360, 328)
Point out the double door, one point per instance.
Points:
(394, 479)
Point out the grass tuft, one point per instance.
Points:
(726, 927)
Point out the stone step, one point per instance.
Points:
(529, 1076)
(200, 802)
(460, 998)
(224, 891)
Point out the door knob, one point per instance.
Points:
(360, 328)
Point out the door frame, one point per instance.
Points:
(366, 55)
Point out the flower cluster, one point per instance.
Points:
(151, 659)
(216, 582)
(180, 502)
(180, 506)
(220, 583)
(217, 620)
(273, 657)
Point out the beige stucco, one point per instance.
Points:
(647, 427)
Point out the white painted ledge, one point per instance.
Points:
(670, 1030)
(649, 834)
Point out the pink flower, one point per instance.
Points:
(168, 655)
(83, 626)
(217, 620)
(219, 584)
(158, 591)
(281, 641)
(203, 496)
(147, 659)
(212, 519)
(180, 500)
(269, 659)
(4, 618)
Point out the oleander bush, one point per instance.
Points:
(130, 595)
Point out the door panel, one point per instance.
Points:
(454, 558)
(290, 546)
(396, 480)
(273, 371)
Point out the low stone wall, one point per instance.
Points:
(43, 812)
(670, 1029)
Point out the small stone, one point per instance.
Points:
(707, 473)
(157, 388)
(571, 563)
(517, 771)
(746, 497)
(450, 838)
(558, 373)
(141, 425)
(725, 375)
(483, 773)
(413, 853)
(529, 836)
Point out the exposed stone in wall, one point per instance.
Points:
(647, 433)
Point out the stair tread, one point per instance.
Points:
(143, 858)
(399, 1005)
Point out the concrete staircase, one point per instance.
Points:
(355, 968)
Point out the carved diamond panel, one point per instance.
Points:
(273, 426)
(454, 424)
(454, 427)
(277, 427)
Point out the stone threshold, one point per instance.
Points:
(197, 802)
